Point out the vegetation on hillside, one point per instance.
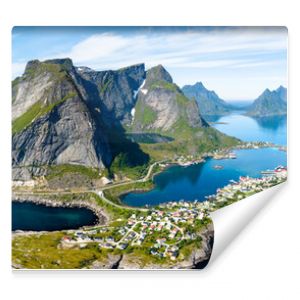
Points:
(36, 111)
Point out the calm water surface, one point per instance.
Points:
(29, 216)
(268, 129)
(198, 181)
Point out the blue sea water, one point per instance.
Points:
(268, 129)
(29, 216)
(197, 181)
(176, 183)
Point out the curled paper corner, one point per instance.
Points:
(231, 220)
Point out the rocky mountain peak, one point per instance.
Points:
(199, 85)
(266, 92)
(269, 103)
(282, 92)
(208, 101)
(156, 74)
(32, 65)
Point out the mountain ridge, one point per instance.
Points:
(64, 114)
(269, 103)
(208, 101)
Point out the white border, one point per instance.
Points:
(261, 263)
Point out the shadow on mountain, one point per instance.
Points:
(128, 152)
(149, 138)
(212, 118)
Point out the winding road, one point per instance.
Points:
(99, 192)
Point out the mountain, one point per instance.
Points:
(208, 101)
(64, 115)
(52, 123)
(113, 92)
(282, 91)
(269, 103)
(163, 108)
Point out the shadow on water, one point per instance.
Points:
(176, 174)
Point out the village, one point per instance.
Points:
(163, 230)
(246, 186)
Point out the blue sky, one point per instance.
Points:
(238, 63)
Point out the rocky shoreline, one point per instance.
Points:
(42, 200)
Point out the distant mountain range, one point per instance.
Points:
(67, 115)
(269, 103)
(208, 101)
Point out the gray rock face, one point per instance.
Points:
(64, 130)
(208, 101)
(161, 105)
(156, 74)
(74, 115)
(67, 135)
(269, 103)
(113, 92)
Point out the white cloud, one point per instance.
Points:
(178, 49)
(234, 55)
(18, 69)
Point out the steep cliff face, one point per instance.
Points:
(269, 103)
(113, 92)
(208, 101)
(66, 115)
(52, 123)
(161, 105)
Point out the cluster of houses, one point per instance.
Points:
(245, 185)
(166, 225)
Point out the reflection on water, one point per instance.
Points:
(198, 181)
(176, 174)
(272, 123)
(268, 129)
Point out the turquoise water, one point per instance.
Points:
(29, 216)
(176, 183)
(198, 181)
(268, 129)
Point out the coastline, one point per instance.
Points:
(101, 215)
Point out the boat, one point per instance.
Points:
(218, 167)
(232, 155)
(267, 172)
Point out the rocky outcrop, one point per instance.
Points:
(112, 262)
(208, 101)
(67, 134)
(269, 103)
(161, 105)
(113, 92)
(58, 127)
(66, 115)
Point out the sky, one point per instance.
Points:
(238, 63)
